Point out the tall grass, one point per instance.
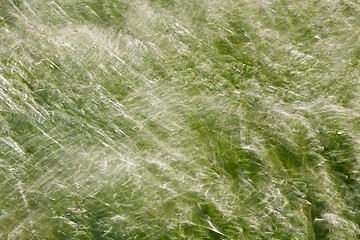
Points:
(173, 119)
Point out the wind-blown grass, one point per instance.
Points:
(159, 119)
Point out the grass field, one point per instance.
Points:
(174, 119)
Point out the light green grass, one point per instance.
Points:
(155, 119)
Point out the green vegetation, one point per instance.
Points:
(174, 119)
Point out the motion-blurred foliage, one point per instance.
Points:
(173, 119)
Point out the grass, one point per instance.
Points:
(159, 119)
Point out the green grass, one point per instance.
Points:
(173, 119)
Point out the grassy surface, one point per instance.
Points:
(174, 119)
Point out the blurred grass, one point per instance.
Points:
(179, 120)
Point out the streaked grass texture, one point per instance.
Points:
(174, 119)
